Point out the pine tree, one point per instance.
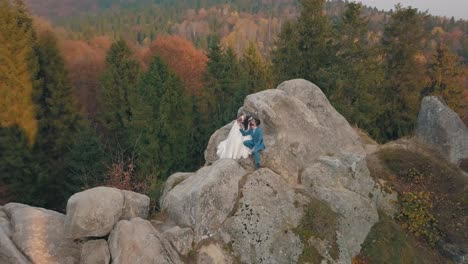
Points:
(446, 77)
(18, 168)
(225, 87)
(118, 87)
(162, 123)
(259, 76)
(286, 57)
(404, 73)
(59, 125)
(357, 74)
(304, 49)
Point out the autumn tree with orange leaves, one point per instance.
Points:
(183, 58)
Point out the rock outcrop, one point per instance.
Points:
(312, 154)
(312, 201)
(35, 235)
(441, 128)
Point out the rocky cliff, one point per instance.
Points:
(312, 201)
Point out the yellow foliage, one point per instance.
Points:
(16, 85)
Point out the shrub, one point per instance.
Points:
(416, 217)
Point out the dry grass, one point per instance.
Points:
(407, 171)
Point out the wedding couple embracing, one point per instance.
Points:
(244, 139)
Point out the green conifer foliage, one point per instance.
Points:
(404, 73)
(162, 123)
(357, 75)
(226, 86)
(258, 72)
(60, 124)
(305, 47)
(118, 87)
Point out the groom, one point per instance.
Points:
(256, 143)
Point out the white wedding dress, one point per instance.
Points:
(233, 146)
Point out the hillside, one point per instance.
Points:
(236, 21)
(54, 9)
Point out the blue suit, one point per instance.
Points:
(255, 143)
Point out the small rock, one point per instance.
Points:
(135, 205)
(180, 238)
(95, 252)
(213, 254)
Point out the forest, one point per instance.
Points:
(125, 93)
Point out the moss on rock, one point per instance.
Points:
(319, 222)
(387, 243)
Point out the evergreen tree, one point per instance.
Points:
(225, 87)
(199, 132)
(446, 77)
(259, 76)
(59, 125)
(305, 47)
(118, 87)
(357, 74)
(404, 74)
(286, 57)
(18, 168)
(162, 123)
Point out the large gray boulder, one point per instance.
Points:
(39, 234)
(205, 199)
(299, 125)
(94, 212)
(10, 208)
(345, 185)
(322, 161)
(136, 241)
(441, 128)
(95, 252)
(9, 254)
(261, 228)
(172, 182)
(5, 223)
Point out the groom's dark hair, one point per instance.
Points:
(257, 121)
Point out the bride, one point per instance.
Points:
(233, 146)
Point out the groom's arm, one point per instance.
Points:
(245, 133)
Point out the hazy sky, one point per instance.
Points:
(449, 8)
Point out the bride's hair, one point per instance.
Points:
(246, 121)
